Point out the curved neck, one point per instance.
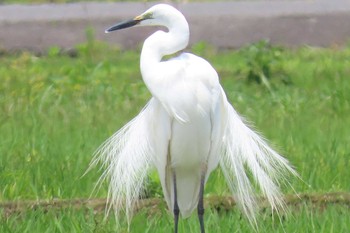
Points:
(160, 44)
(163, 43)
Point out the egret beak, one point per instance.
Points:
(126, 24)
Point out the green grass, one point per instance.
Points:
(56, 109)
(333, 219)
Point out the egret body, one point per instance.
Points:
(186, 129)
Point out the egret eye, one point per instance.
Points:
(148, 15)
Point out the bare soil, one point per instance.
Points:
(220, 203)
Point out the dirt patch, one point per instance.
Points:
(220, 203)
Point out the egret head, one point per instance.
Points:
(158, 15)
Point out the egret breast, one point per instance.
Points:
(189, 151)
(190, 142)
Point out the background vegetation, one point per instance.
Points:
(57, 108)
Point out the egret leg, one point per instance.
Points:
(176, 206)
(200, 206)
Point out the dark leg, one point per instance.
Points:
(176, 207)
(200, 204)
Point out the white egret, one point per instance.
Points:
(186, 129)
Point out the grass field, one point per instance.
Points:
(57, 108)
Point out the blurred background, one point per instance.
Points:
(66, 86)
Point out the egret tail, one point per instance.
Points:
(245, 152)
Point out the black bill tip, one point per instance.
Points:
(122, 25)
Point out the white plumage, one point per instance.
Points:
(186, 130)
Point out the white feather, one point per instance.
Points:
(126, 157)
(244, 151)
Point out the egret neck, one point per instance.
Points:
(162, 43)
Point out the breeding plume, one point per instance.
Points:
(185, 131)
